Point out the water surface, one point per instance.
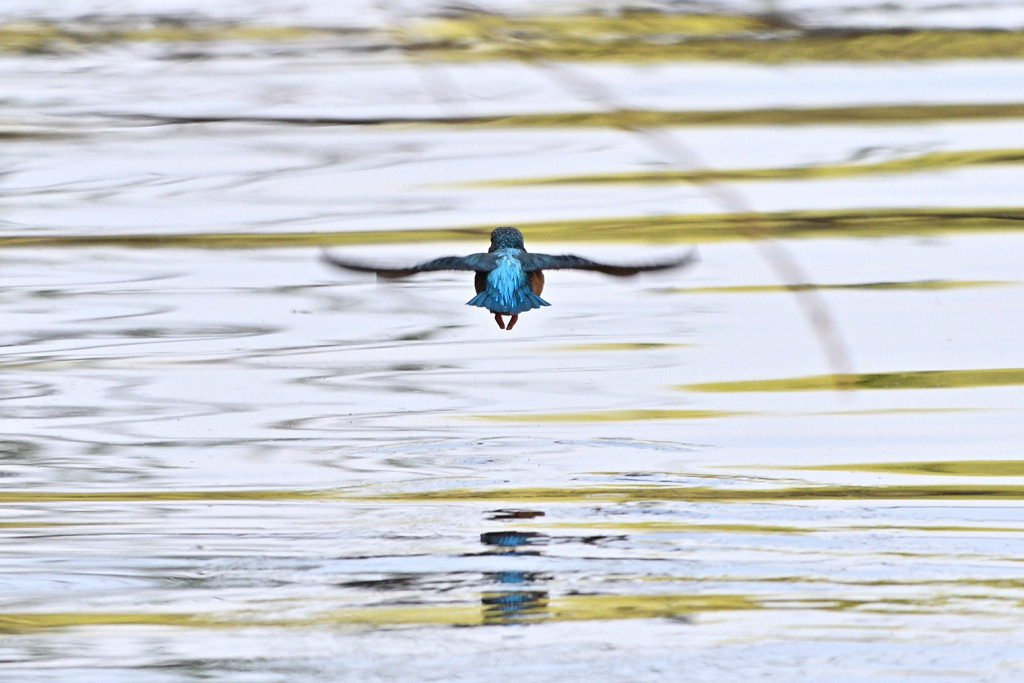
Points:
(234, 463)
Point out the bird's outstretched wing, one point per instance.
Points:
(477, 262)
(569, 261)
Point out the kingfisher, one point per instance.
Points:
(509, 280)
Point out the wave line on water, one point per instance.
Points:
(534, 494)
(669, 229)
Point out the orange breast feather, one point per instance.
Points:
(536, 282)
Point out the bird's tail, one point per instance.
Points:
(522, 300)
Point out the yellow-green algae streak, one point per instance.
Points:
(652, 36)
(628, 36)
(614, 416)
(715, 494)
(561, 608)
(564, 608)
(538, 494)
(956, 468)
(925, 162)
(910, 379)
(576, 28)
(640, 414)
(45, 37)
(634, 229)
(616, 346)
(782, 116)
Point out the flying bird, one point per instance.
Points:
(509, 279)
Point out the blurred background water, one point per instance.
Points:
(220, 460)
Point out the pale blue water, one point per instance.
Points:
(283, 463)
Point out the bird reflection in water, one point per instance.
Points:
(517, 606)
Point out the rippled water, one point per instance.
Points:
(237, 464)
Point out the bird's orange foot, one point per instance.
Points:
(501, 322)
(512, 322)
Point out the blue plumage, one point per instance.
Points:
(508, 287)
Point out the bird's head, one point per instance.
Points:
(506, 238)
